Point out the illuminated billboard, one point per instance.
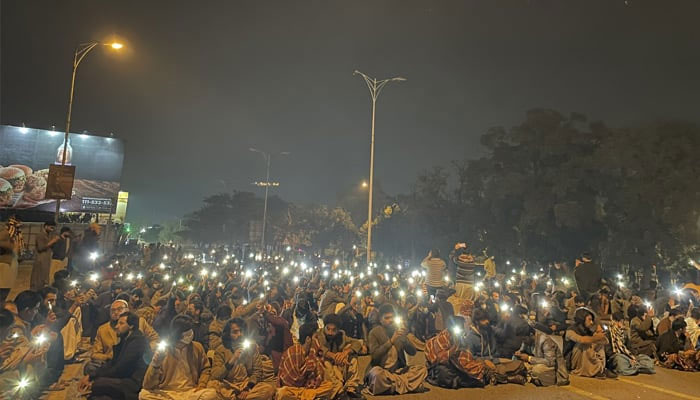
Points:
(25, 156)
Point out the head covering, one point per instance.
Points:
(124, 302)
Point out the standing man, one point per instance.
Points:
(588, 276)
(436, 271)
(11, 243)
(59, 252)
(42, 261)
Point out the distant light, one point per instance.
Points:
(94, 255)
(289, 248)
(457, 330)
(94, 276)
(358, 293)
(117, 46)
(52, 133)
(23, 129)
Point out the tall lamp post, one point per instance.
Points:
(375, 87)
(267, 156)
(80, 52)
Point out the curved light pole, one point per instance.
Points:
(80, 52)
(375, 87)
(267, 156)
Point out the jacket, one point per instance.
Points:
(641, 332)
(515, 331)
(481, 344)
(106, 339)
(128, 362)
(379, 344)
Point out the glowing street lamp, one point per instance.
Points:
(80, 52)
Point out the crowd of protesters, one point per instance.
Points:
(211, 323)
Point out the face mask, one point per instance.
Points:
(187, 337)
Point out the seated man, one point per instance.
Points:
(450, 364)
(301, 373)
(179, 370)
(692, 331)
(675, 351)
(586, 342)
(481, 342)
(387, 346)
(338, 351)
(619, 357)
(547, 366)
(120, 377)
(665, 323)
(642, 337)
(216, 327)
(237, 371)
(106, 337)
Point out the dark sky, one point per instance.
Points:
(202, 81)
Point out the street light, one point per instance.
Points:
(375, 87)
(266, 184)
(80, 52)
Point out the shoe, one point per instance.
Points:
(519, 379)
(610, 375)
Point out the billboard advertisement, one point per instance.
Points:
(25, 157)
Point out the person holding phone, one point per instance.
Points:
(388, 346)
(237, 370)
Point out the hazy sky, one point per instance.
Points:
(202, 81)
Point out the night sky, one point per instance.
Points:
(200, 82)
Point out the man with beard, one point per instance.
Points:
(481, 342)
(586, 346)
(301, 372)
(303, 313)
(450, 364)
(42, 261)
(388, 347)
(547, 363)
(237, 371)
(200, 328)
(352, 318)
(106, 337)
(140, 306)
(180, 369)
(121, 377)
(338, 352)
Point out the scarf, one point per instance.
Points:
(617, 337)
(300, 370)
(14, 228)
(441, 349)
